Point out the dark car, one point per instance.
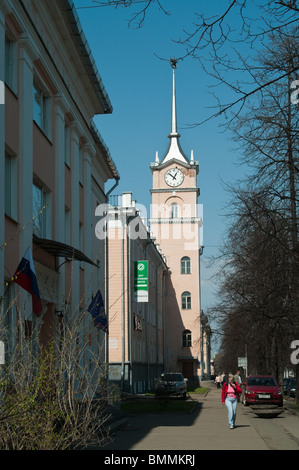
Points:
(171, 384)
(285, 384)
(291, 388)
(262, 390)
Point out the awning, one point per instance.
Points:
(62, 250)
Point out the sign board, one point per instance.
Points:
(242, 362)
(2, 353)
(141, 281)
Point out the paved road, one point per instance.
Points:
(207, 429)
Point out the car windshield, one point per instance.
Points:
(262, 381)
(172, 377)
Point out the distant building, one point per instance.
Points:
(53, 167)
(137, 332)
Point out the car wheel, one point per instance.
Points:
(184, 396)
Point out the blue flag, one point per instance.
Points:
(97, 310)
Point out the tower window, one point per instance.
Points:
(187, 339)
(185, 265)
(186, 301)
(174, 211)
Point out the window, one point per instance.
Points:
(67, 226)
(80, 165)
(174, 211)
(186, 301)
(11, 64)
(81, 241)
(11, 186)
(67, 154)
(185, 265)
(42, 108)
(187, 339)
(41, 212)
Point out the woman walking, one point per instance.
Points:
(230, 393)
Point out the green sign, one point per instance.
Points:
(141, 281)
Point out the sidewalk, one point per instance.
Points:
(206, 428)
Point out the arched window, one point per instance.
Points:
(186, 301)
(174, 211)
(185, 265)
(187, 339)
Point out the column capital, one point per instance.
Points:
(60, 101)
(25, 42)
(89, 152)
(77, 128)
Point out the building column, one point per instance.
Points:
(2, 150)
(89, 270)
(75, 212)
(59, 233)
(25, 158)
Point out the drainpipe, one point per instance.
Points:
(130, 304)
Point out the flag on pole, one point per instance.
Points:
(25, 277)
(97, 310)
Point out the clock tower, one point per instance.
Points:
(176, 226)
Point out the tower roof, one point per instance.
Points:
(174, 149)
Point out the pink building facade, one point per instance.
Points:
(53, 168)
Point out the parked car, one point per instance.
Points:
(285, 383)
(291, 388)
(171, 384)
(262, 390)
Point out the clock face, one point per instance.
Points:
(174, 177)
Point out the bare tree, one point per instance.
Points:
(216, 41)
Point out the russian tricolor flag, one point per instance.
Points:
(25, 277)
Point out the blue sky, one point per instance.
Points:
(139, 85)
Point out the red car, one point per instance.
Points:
(262, 389)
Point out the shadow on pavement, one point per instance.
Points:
(140, 424)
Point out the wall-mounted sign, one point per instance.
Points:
(141, 281)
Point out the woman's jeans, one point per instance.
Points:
(231, 404)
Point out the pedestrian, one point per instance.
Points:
(218, 380)
(238, 377)
(223, 378)
(229, 396)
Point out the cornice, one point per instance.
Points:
(176, 190)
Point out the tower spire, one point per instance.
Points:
(173, 63)
(174, 150)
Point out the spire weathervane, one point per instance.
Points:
(173, 62)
